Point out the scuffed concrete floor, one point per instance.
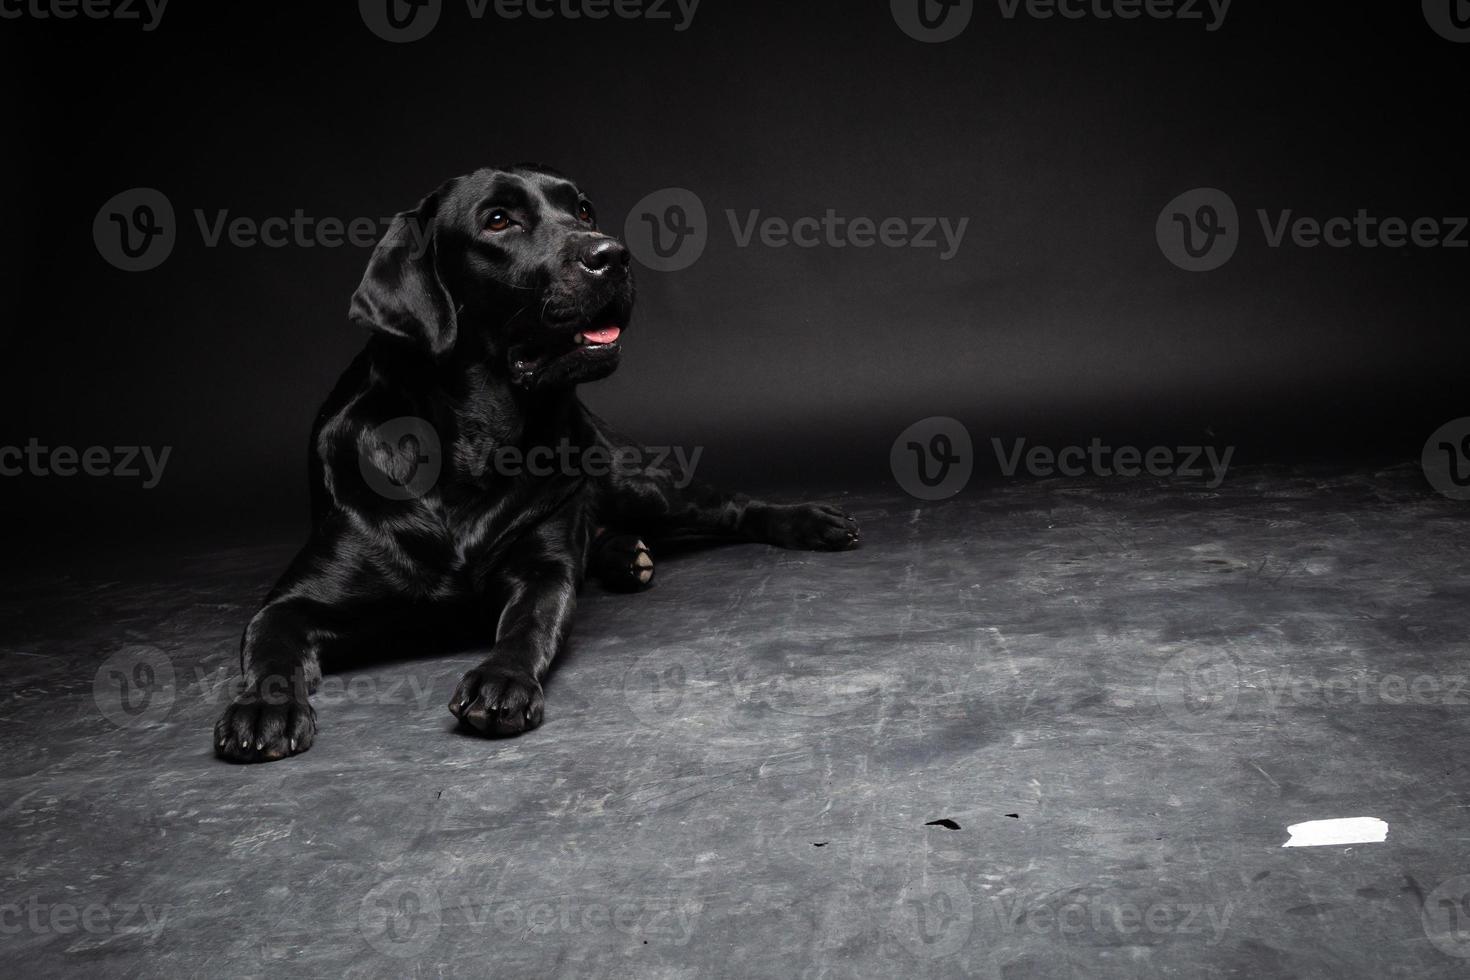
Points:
(1120, 694)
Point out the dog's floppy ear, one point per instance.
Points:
(402, 292)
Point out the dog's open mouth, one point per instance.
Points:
(598, 336)
(569, 355)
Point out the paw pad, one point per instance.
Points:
(624, 564)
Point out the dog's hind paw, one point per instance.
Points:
(812, 527)
(623, 563)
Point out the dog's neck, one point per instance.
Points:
(471, 396)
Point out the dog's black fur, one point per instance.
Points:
(476, 299)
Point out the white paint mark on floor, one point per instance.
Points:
(1344, 830)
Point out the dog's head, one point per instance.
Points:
(506, 265)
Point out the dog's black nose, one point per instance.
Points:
(603, 256)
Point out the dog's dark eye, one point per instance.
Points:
(585, 213)
(498, 220)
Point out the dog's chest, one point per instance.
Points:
(505, 475)
(484, 516)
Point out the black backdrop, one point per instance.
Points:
(1059, 318)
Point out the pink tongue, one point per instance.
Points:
(604, 336)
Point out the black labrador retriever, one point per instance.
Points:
(488, 304)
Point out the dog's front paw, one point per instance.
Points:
(498, 702)
(263, 727)
(812, 527)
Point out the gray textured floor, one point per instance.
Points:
(1115, 691)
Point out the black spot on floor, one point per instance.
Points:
(946, 823)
